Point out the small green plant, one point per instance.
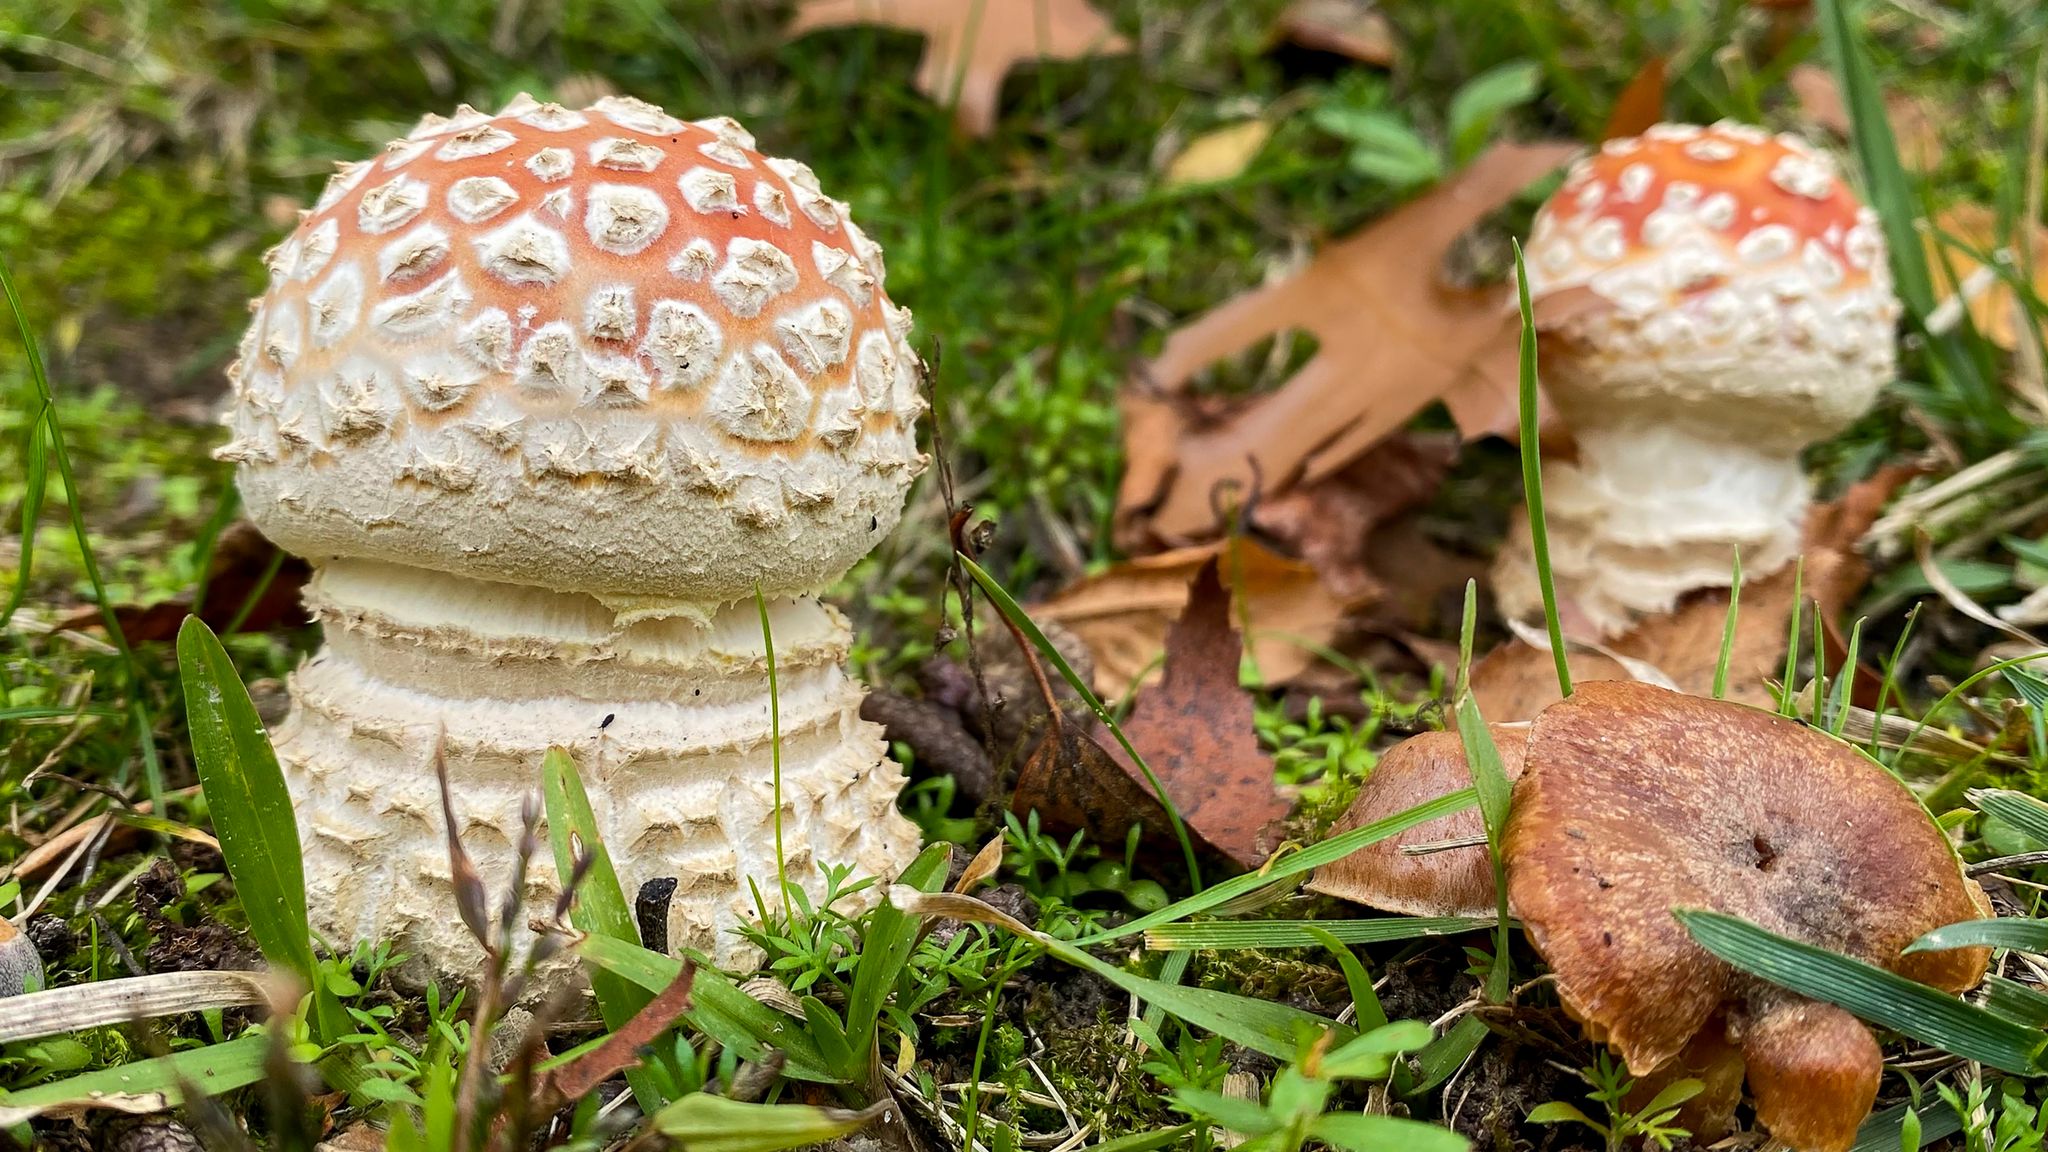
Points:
(1386, 146)
(1297, 1105)
(1997, 1117)
(1610, 1085)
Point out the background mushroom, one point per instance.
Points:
(21, 966)
(545, 397)
(1450, 882)
(1712, 301)
(1636, 801)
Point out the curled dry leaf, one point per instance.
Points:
(1195, 731)
(1351, 28)
(1995, 309)
(1123, 615)
(1218, 154)
(970, 45)
(1393, 338)
(1517, 680)
(1640, 105)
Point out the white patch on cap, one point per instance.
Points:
(1767, 244)
(1711, 150)
(357, 402)
(426, 312)
(1635, 182)
(610, 314)
(683, 342)
(623, 155)
(1864, 246)
(695, 261)
(334, 306)
(709, 190)
(1603, 241)
(1624, 146)
(399, 153)
(874, 369)
(1681, 195)
(899, 320)
(1590, 196)
(843, 272)
(346, 176)
(614, 382)
(281, 338)
(551, 164)
(637, 115)
(550, 364)
(390, 205)
(481, 140)
(816, 337)
(727, 129)
(282, 258)
(1741, 133)
(754, 273)
(1821, 265)
(1671, 132)
(1803, 175)
(553, 118)
(524, 252)
(726, 153)
(475, 199)
(439, 382)
(869, 252)
(623, 219)
(487, 339)
(559, 203)
(429, 124)
(317, 249)
(414, 254)
(771, 203)
(759, 397)
(1718, 211)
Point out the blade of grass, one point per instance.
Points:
(2004, 932)
(1532, 478)
(1008, 606)
(1224, 935)
(1881, 997)
(774, 749)
(2018, 809)
(1728, 629)
(214, 1069)
(36, 453)
(1490, 781)
(1787, 689)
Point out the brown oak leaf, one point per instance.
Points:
(970, 45)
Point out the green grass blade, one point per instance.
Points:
(706, 1123)
(1728, 629)
(1885, 1129)
(1227, 935)
(1881, 997)
(1358, 1132)
(1012, 611)
(2008, 932)
(36, 454)
(1144, 1141)
(1532, 478)
(214, 1069)
(719, 1009)
(886, 944)
(600, 907)
(1447, 1053)
(2023, 812)
(2020, 1003)
(246, 795)
(1335, 848)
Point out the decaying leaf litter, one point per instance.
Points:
(1267, 602)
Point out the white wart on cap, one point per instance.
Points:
(526, 346)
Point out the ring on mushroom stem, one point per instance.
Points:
(1711, 301)
(1635, 801)
(547, 397)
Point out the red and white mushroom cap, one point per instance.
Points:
(1728, 269)
(604, 350)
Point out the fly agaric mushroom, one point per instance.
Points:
(1446, 882)
(546, 397)
(1713, 300)
(1636, 801)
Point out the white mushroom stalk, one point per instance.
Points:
(1713, 301)
(545, 397)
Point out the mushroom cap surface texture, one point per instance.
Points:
(1451, 882)
(1636, 801)
(604, 351)
(21, 966)
(1727, 274)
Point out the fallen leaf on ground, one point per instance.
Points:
(1913, 125)
(1347, 27)
(1992, 302)
(240, 558)
(1518, 680)
(1005, 33)
(1124, 614)
(1393, 339)
(1194, 729)
(1640, 105)
(1329, 523)
(1218, 154)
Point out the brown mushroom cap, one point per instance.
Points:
(1636, 801)
(1453, 882)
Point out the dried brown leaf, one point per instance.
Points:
(1393, 340)
(971, 45)
(1640, 105)
(1351, 28)
(1123, 615)
(1218, 154)
(241, 557)
(1994, 308)
(620, 1050)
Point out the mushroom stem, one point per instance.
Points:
(669, 710)
(1651, 511)
(1813, 1069)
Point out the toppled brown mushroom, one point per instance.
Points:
(1636, 801)
(1449, 882)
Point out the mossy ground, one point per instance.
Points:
(153, 151)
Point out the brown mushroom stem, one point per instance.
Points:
(1813, 1069)
(1717, 1065)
